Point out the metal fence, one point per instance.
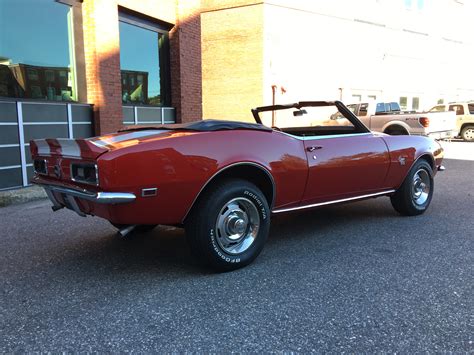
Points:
(22, 121)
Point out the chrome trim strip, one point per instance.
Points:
(98, 197)
(69, 121)
(21, 141)
(261, 167)
(332, 202)
(307, 138)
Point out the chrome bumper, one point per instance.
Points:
(69, 196)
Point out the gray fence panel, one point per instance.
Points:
(148, 114)
(34, 112)
(83, 130)
(46, 131)
(9, 156)
(9, 135)
(81, 113)
(8, 112)
(10, 178)
(128, 115)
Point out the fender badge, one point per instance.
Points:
(402, 160)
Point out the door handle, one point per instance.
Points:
(313, 148)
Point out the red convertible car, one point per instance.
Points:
(223, 180)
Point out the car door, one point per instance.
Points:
(344, 166)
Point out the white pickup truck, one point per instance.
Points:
(386, 117)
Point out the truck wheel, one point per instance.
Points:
(467, 133)
(396, 131)
(414, 195)
(229, 225)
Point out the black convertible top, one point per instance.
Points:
(204, 125)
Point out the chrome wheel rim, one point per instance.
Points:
(469, 133)
(421, 187)
(237, 225)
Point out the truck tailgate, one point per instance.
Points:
(440, 121)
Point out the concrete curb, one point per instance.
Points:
(23, 195)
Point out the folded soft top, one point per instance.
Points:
(204, 125)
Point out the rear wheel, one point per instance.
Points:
(414, 195)
(229, 225)
(467, 133)
(396, 131)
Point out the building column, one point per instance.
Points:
(102, 53)
(185, 57)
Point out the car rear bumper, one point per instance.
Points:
(62, 196)
(442, 135)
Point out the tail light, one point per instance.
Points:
(85, 173)
(425, 121)
(40, 166)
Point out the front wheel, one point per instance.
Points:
(229, 225)
(414, 195)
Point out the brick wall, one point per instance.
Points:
(186, 79)
(232, 58)
(102, 52)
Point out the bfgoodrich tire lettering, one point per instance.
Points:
(229, 225)
(414, 195)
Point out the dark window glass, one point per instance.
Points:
(35, 60)
(363, 109)
(471, 109)
(142, 64)
(457, 108)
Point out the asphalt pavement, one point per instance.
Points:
(347, 278)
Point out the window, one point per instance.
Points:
(363, 109)
(144, 58)
(312, 120)
(457, 108)
(415, 103)
(35, 57)
(403, 102)
(471, 109)
(439, 108)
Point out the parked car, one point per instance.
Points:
(223, 180)
(387, 117)
(465, 117)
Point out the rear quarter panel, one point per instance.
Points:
(180, 163)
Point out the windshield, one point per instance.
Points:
(326, 116)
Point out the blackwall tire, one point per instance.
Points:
(229, 225)
(415, 194)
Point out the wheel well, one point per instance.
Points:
(245, 171)
(395, 128)
(429, 159)
(467, 124)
